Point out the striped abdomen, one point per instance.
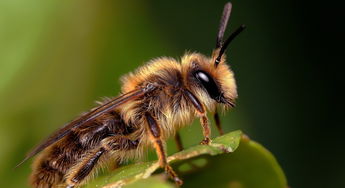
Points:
(53, 164)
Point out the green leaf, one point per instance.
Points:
(250, 165)
(155, 181)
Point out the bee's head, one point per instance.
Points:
(209, 83)
(211, 79)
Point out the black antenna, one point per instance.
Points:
(227, 42)
(223, 23)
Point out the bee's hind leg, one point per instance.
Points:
(79, 173)
(155, 136)
(81, 170)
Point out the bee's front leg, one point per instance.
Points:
(155, 136)
(205, 129)
(203, 117)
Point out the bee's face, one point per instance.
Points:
(212, 84)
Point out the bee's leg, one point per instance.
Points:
(202, 113)
(205, 129)
(155, 136)
(218, 124)
(80, 171)
(178, 141)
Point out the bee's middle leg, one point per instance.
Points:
(155, 136)
(178, 141)
(218, 124)
(79, 173)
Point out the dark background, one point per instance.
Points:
(56, 57)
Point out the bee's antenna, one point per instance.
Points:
(227, 42)
(223, 23)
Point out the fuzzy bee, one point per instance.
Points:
(156, 101)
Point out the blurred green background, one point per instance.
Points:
(57, 57)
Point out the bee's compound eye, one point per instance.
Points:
(208, 83)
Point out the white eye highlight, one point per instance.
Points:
(203, 77)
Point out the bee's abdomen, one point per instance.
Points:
(51, 167)
(45, 176)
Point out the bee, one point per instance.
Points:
(156, 100)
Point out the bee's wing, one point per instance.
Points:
(110, 105)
